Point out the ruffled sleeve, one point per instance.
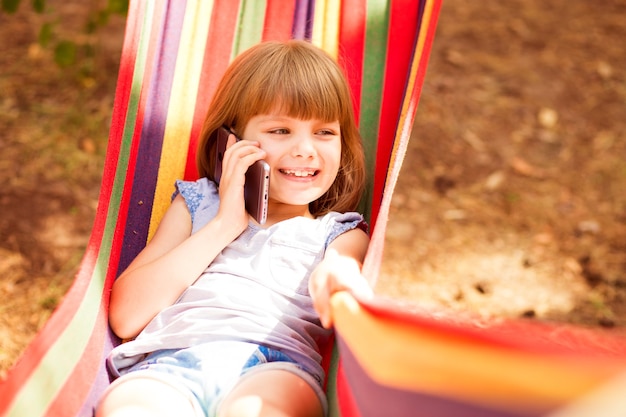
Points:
(343, 222)
(202, 199)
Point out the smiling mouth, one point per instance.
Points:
(300, 173)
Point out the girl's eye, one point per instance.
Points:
(279, 131)
(326, 132)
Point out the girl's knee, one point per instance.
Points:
(273, 393)
(252, 406)
(143, 397)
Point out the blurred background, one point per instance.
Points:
(511, 202)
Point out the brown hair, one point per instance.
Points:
(301, 80)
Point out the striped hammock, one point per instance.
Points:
(391, 360)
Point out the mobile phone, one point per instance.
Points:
(257, 185)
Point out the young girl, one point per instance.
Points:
(228, 316)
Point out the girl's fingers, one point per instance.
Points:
(241, 154)
(231, 140)
(336, 273)
(238, 157)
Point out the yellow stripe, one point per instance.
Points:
(182, 104)
(326, 26)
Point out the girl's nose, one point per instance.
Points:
(303, 146)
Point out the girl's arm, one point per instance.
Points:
(340, 270)
(170, 263)
(174, 258)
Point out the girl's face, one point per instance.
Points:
(304, 156)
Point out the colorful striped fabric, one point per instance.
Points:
(403, 361)
(394, 360)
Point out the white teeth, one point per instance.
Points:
(299, 173)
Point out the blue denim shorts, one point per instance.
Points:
(206, 373)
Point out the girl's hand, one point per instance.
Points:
(336, 273)
(239, 156)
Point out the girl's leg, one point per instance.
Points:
(142, 397)
(272, 392)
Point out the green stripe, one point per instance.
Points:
(376, 33)
(249, 25)
(43, 386)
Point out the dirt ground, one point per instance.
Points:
(511, 201)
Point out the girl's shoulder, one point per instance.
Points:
(200, 196)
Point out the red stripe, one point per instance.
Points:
(278, 20)
(326, 351)
(352, 47)
(347, 403)
(403, 27)
(216, 59)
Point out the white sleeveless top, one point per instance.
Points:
(256, 289)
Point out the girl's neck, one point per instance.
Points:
(278, 212)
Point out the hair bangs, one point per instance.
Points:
(297, 90)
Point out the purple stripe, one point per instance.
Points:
(153, 129)
(375, 400)
(303, 19)
(102, 379)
